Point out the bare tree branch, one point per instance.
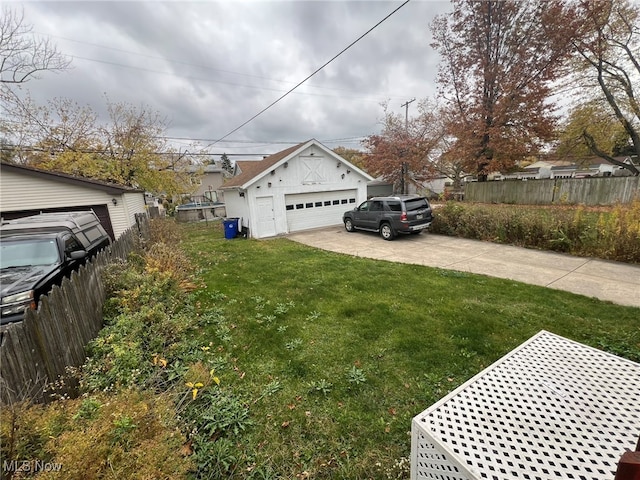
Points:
(591, 143)
(23, 55)
(608, 48)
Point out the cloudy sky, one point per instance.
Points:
(210, 66)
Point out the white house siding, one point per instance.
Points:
(25, 191)
(436, 185)
(209, 185)
(237, 206)
(314, 173)
(22, 192)
(123, 214)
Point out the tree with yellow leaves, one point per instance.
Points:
(130, 149)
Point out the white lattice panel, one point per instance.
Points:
(551, 409)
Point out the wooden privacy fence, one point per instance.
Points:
(37, 351)
(573, 191)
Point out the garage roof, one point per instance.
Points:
(110, 188)
(254, 170)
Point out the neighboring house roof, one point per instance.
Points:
(253, 170)
(548, 164)
(110, 188)
(242, 165)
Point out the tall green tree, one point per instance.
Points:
(499, 61)
(593, 120)
(226, 164)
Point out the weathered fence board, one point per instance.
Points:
(38, 350)
(573, 191)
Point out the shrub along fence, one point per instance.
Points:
(573, 191)
(35, 353)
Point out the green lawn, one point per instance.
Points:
(333, 355)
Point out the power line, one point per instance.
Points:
(308, 77)
(231, 141)
(196, 65)
(26, 148)
(222, 82)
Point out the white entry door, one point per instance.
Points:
(266, 219)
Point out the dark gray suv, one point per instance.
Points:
(390, 215)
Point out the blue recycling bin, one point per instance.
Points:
(230, 228)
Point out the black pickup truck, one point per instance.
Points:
(37, 252)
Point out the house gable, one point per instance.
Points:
(311, 165)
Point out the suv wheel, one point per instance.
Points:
(348, 225)
(386, 231)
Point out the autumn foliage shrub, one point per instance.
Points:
(163, 230)
(128, 434)
(608, 233)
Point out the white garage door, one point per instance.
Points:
(320, 209)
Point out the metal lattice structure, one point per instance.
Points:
(550, 409)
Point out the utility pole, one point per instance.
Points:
(403, 166)
(406, 112)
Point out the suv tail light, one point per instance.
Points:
(403, 217)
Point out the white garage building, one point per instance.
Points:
(305, 186)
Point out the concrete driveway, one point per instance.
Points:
(613, 281)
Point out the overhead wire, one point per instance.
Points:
(222, 82)
(288, 92)
(312, 74)
(206, 67)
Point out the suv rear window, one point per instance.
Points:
(416, 204)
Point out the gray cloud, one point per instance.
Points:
(210, 66)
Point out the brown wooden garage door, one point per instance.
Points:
(100, 210)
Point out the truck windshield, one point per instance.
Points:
(21, 253)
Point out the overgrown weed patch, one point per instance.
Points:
(610, 233)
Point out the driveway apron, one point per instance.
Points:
(616, 282)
